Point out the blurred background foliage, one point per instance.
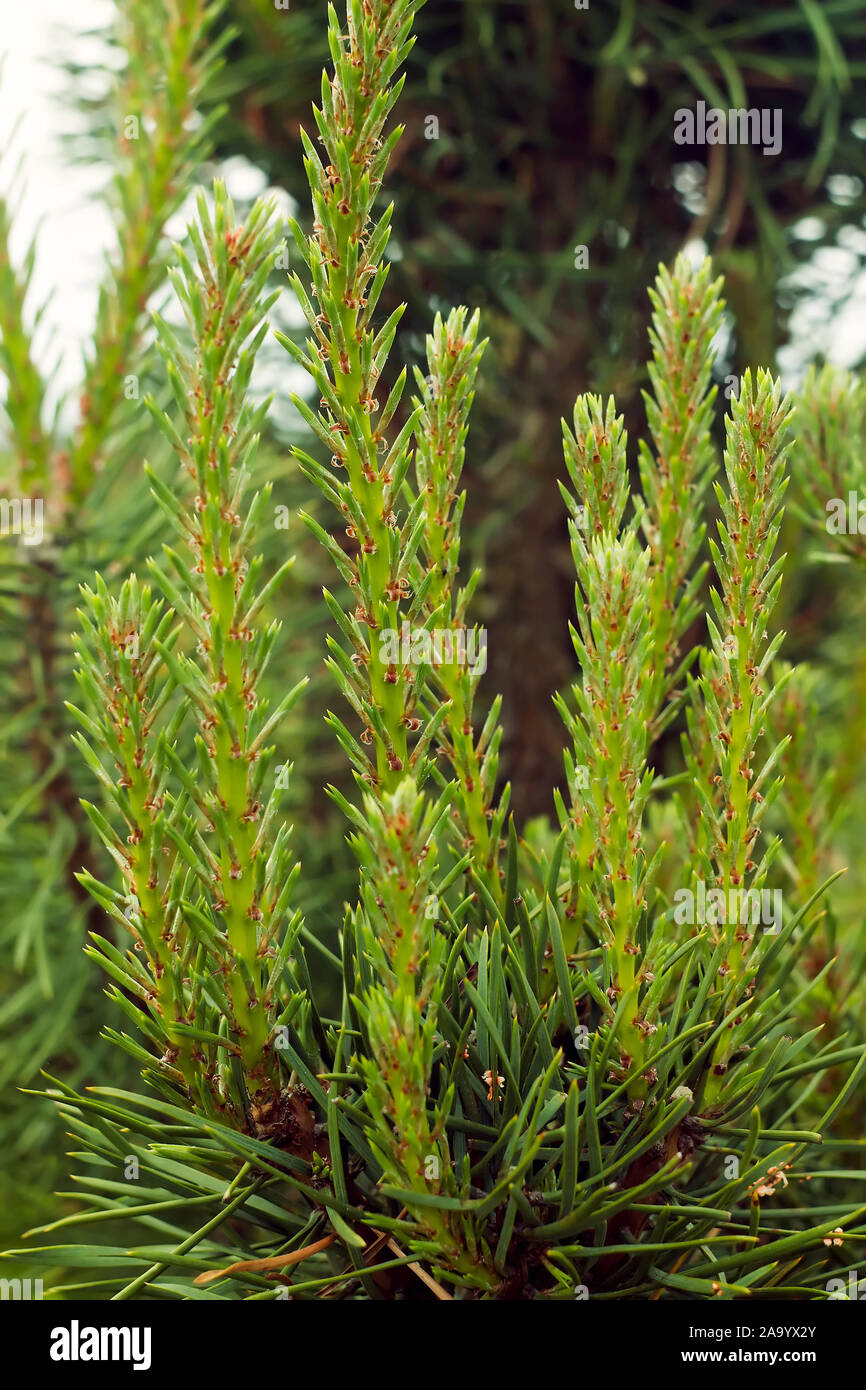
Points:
(532, 130)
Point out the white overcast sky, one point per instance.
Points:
(61, 198)
(55, 196)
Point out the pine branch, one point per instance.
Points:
(827, 459)
(731, 684)
(675, 473)
(613, 643)
(447, 392)
(345, 359)
(172, 57)
(24, 404)
(227, 890)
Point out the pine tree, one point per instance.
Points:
(550, 1075)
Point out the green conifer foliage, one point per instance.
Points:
(94, 510)
(208, 881)
(551, 1074)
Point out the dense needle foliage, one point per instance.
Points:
(561, 1064)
